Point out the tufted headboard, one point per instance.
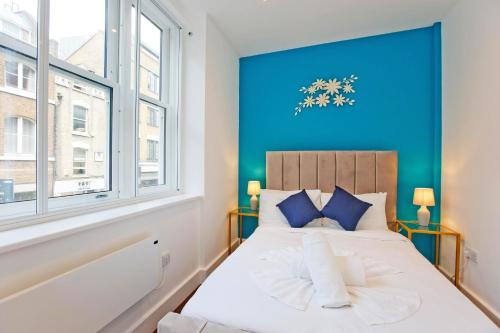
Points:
(355, 171)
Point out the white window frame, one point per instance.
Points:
(167, 100)
(121, 161)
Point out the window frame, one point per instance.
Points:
(168, 96)
(122, 163)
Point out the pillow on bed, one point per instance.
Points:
(373, 219)
(270, 215)
(299, 210)
(345, 208)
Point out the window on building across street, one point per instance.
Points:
(153, 119)
(60, 104)
(19, 76)
(79, 118)
(152, 150)
(19, 137)
(153, 83)
(79, 161)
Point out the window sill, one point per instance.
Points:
(15, 239)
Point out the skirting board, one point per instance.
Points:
(483, 306)
(147, 323)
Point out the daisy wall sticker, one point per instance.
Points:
(321, 93)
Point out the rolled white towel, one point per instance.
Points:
(325, 273)
(351, 267)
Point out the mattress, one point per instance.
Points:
(229, 296)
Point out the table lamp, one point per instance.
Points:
(254, 190)
(423, 197)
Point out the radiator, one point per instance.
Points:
(86, 298)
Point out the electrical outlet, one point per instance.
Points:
(470, 254)
(165, 259)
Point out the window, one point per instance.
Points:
(79, 118)
(153, 83)
(157, 87)
(18, 116)
(19, 76)
(152, 150)
(19, 136)
(15, 31)
(153, 117)
(60, 104)
(79, 161)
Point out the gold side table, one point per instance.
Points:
(438, 230)
(240, 212)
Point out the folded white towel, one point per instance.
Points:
(287, 289)
(325, 273)
(293, 258)
(351, 268)
(378, 306)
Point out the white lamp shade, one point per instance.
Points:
(253, 187)
(423, 197)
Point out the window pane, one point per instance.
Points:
(77, 33)
(28, 78)
(151, 146)
(18, 20)
(81, 136)
(17, 133)
(79, 118)
(150, 55)
(28, 136)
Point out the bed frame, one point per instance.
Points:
(355, 171)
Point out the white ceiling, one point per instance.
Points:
(259, 26)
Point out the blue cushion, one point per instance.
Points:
(299, 209)
(345, 208)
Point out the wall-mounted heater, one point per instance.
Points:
(88, 297)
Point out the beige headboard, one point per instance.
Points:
(355, 171)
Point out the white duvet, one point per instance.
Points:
(231, 297)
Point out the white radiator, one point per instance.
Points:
(86, 298)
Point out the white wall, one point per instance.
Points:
(193, 232)
(221, 141)
(471, 141)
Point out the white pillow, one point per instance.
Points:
(373, 219)
(270, 215)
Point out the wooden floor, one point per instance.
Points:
(179, 308)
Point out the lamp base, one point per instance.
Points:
(423, 216)
(254, 202)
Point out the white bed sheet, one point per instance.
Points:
(230, 297)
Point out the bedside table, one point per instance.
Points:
(240, 212)
(438, 230)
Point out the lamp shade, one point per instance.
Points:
(253, 187)
(423, 197)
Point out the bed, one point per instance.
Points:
(229, 296)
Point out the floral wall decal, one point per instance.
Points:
(321, 93)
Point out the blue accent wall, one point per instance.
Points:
(398, 107)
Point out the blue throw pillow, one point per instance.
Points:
(345, 208)
(299, 210)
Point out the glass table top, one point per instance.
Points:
(431, 228)
(245, 211)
